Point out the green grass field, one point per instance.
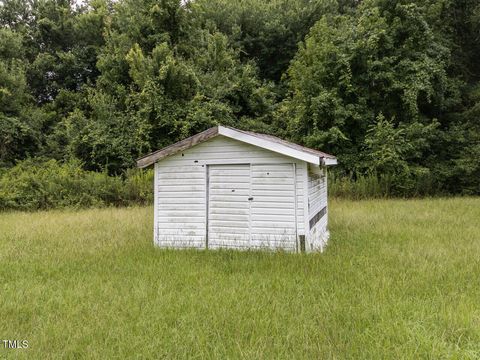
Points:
(399, 280)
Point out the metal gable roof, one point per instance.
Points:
(268, 142)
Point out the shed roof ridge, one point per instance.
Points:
(266, 141)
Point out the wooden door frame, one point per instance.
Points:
(207, 202)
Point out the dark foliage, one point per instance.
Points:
(390, 87)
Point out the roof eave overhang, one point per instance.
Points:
(328, 161)
(153, 157)
(269, 145)
(185, 144)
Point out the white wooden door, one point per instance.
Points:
(273, 215)
(251, 206)
(228, 206)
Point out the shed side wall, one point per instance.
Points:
(317, 208)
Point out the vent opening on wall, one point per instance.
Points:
(316, 218)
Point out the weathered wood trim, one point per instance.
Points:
(250, 207)
(328, 161)
(306, 200)
(155, 204)
(295, 204)
(302, 243)
(207, 202)
(177, 147)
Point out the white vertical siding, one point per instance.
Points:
(181, 188)
(228, 206)
(273, 206)
(317, 208)
(180, 201)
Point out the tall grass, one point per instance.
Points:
(376, 186)
(363, 187)
(400, 279)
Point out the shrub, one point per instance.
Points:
(36, 184)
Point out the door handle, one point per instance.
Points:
(250, 198)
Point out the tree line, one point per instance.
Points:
(390, 87)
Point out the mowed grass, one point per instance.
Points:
(399, 280)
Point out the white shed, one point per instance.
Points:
(228, 188)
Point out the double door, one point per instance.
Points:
(251, 206)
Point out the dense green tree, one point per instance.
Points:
(20, 122)
(391, 87)
(385, 61)
(265, 31)
(183, 95)
(157, 84)
(66, 42)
